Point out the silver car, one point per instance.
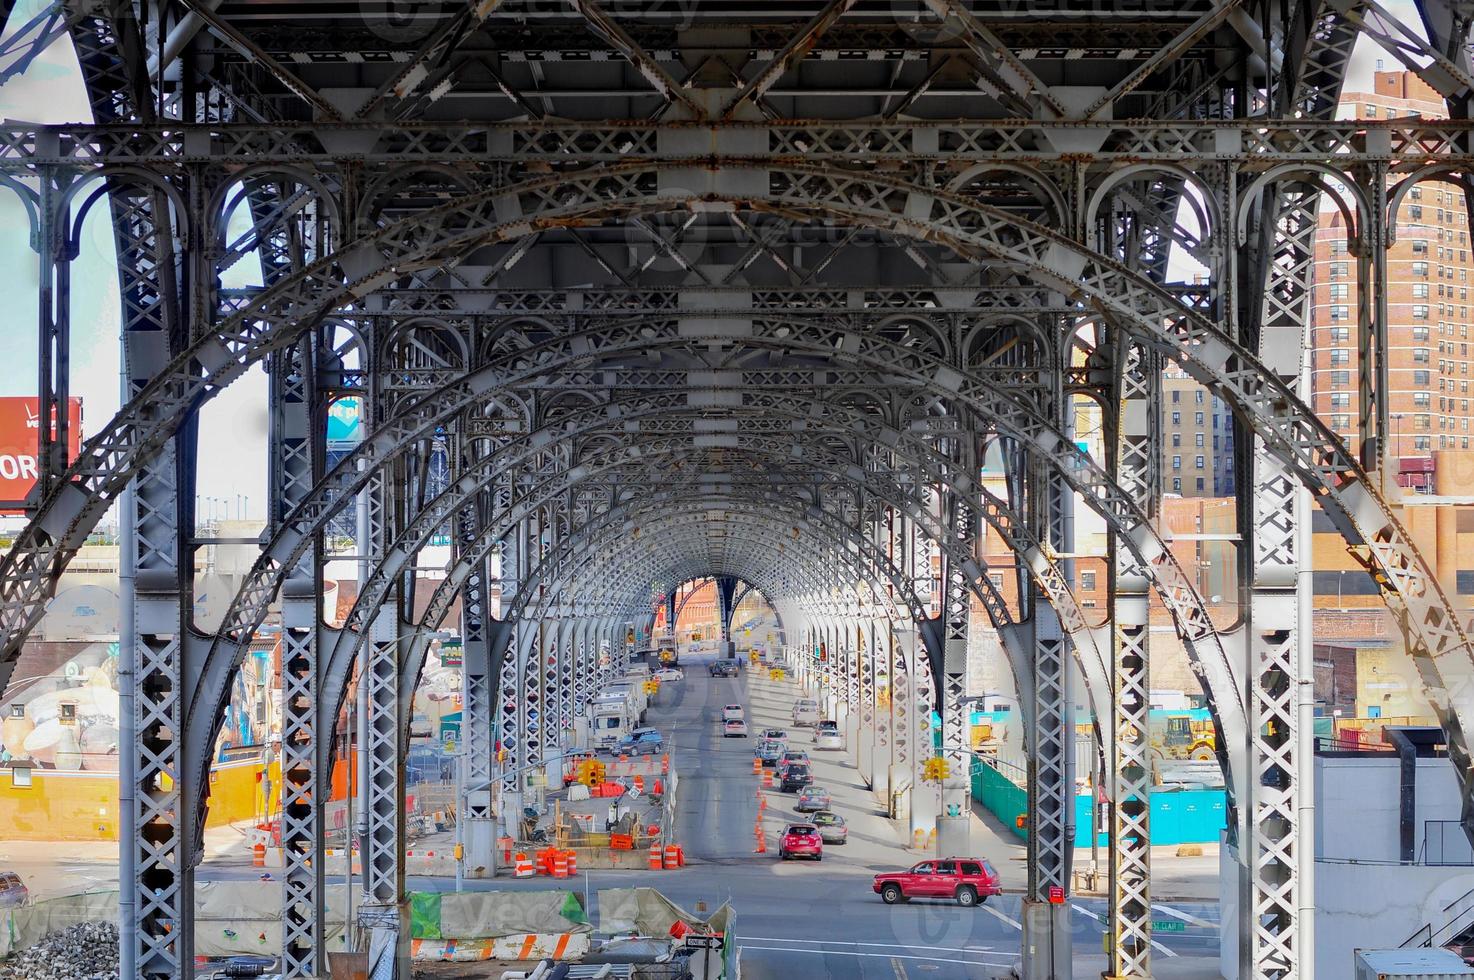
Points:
(831, 827)
(813, 798)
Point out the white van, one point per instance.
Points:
(806, 712)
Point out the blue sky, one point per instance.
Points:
(233, 441)
(232, 446)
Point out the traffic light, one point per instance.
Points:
(935, 770)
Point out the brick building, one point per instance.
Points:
(1427, 305)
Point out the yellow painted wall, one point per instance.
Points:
(84, 805)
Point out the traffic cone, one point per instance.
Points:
(757, 765)
(762, 842)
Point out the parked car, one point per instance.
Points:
(768, 753)
(13, 891)
(669, 674)
(734, 728)
(641, 741)
(806, 712)
(795, 777)
(732, 711)
(794, 755)
(775, 735)
(801, 840)
(831, 826)
(813, 798)
(968, 880)
(724, 668)
(828, 740)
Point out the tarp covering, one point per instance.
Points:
(24, 927)
(646, 912)
(234, 917)
(488, 915)
(424, 915)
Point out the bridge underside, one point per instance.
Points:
(801, 295)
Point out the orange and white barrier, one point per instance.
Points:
(657, 861)
(531, 946)
(524, 868)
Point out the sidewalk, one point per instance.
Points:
(1174, 879)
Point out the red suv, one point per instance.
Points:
(801, 840)
(969, 880)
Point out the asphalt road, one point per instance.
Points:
(815, 920)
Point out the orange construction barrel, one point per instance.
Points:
(672, 857)
(656, 859)
(258, 856)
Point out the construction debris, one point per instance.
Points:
(88, 951)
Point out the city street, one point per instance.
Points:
(794, 919)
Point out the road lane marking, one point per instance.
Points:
(841, 942)
(997, 914)
(1185, 917)
(900, 969)
(878, 956)
(1084, 911)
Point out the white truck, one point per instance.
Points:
(611, 718)
(634, 689)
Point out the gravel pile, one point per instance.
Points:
(82, 952)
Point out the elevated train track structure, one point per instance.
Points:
(749, 292)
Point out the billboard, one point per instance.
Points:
(20, 428)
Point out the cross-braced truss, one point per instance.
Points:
(640, 296)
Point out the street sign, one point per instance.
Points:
(1168, 925)
(704, 942)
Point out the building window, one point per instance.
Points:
(1199, 462)
(1177, 484)
(1419, 246)
(1421, 399)
(1340, 399)
(1340, 356)
(1420, 290)
(1419, 313)
(1087, 580)
(1421, 378)
(1199, 438)
(1416, 193)
(1340, 313)
(1339, 270)
(1340, 421)
(1177, 462)
(1200, 484)
(1176, 396)
(1422, 422)
(1415, 212)
(20, 776)
(1176, 440)
(17, 711)
(1340, 335)
(1420, 355)
(1198, 418)
(1422, 442)
(1199, 393)
(1420, 269)
(1420, 333)
(1341, 378)
(1338, 246)
(996, 578)
(1339, 292)
(1176, 418)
